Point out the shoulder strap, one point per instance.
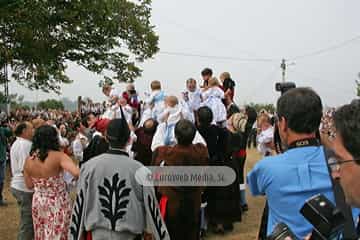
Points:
(349, 227)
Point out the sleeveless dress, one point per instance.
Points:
(51, 208)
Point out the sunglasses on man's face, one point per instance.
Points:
(335, 163)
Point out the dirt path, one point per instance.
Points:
(245, 230)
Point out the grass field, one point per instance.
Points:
(245, 230)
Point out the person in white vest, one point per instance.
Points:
(19, 152)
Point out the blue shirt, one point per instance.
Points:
(288, 180)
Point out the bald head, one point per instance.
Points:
(171, 101)
(150, 126)
(38, 123)
(24, 130)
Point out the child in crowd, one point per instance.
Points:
(112, 93)
(192, 96)
(112, 104)
(212, 98)
(191, 100)
(266, 135)
(165, 134)
(154, 102)
(171, 115)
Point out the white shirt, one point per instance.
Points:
(263, 138)
(128, 111)
(212, 98)
(114, 93)
(64, 142)
(78, 145)
(19, 152)
(158, 105)
(194, 101)
(159, 137)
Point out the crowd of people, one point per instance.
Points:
(98, 154)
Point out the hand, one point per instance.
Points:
(148, 236)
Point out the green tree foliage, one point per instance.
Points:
(358, 86)
(39, 38)
(16, 102)
(269, 107)
(50, 104)
(2, 98)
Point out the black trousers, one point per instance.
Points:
(252, 138)
(264, 223)
(240, 168)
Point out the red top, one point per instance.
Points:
(101, 125)
(132, 101)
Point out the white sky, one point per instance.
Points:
(272, 29)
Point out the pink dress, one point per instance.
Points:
(51, 208)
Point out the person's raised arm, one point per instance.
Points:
(68, 165)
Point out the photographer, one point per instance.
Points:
(347, 149)
(289, 179)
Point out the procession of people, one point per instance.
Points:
(99, 152)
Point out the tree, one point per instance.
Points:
(16, 102)
(50, 104)
(105, 37)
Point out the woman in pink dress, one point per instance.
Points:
(43, 171)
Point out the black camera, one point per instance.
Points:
(284, 86)
(281, 87)
(281, 232)
(328, 221)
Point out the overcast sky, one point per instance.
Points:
(243, 31)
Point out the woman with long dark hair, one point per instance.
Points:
(43, 171)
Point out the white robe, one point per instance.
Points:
(212, 98)
(161, 137)
(263, 138)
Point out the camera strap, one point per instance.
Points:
(349, 227)
(307, 142)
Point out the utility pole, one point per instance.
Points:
(283, 67)
(6, 89)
